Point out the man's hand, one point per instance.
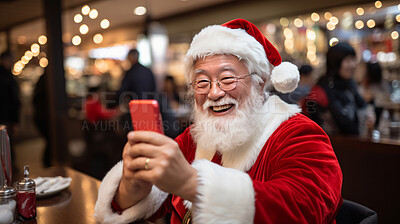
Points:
(166, 168)
(130, 190)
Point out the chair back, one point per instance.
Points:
(351, 212)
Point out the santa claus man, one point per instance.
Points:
(248, 158)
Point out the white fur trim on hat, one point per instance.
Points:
(285, 77)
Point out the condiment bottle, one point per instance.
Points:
(26, 196)
(7, 204)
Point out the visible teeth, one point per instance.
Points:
(219, 108)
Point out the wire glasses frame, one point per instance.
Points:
(226, 83)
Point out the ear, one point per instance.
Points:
(261, 85)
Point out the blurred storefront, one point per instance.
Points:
(95, 47)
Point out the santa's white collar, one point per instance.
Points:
(272, 114)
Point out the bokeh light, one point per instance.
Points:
(78, 18)
(42, 39)
(104, 23)
(83, 29)
(98, 38)
(93, 14)
(315, 17)
(76, 40)
(85, 10)
(140, 10)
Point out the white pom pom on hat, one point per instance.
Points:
(243, 39)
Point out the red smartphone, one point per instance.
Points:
(146, 115)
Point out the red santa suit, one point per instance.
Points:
(288, 173)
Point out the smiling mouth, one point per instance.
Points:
(221, 108)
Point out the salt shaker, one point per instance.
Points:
(7, 204)
(26, 196)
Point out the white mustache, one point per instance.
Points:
(224, 101)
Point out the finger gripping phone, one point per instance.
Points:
(146, 115)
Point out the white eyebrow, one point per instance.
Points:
(199, 71)
(226, 68)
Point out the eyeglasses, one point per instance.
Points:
(226, 83)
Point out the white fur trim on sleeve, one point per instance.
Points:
(144, 209)
(225, 195)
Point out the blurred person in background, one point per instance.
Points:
(334, 102)
(138, 83)
(373, 89)
(100, 134)
(304, 87)
(95, 111)
(170, 105)
(41, 116)
(9, 99)
(249, 157)
(171, 90)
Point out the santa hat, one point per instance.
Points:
(243, 39)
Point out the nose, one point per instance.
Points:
(215, 92)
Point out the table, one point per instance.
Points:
(72, 205)
(371, 172)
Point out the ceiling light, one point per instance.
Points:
(311, 56)
(42, 39)
(288, 33)
(24, 60)
(140, 11)
(312, 48)
(398, 18)
(84, 29)
(18, 66)
(28, 54)
(327, 15)
(314, 16)
(93, 14)
(104, 23)
(333, 41)
(360, 11)
(35, 54)
(284, 21)
(378, 4)
(43, 62)
(76, 40)
(371, 23)
(311, 35)
(330, 26)
(78, 18)
(359, 24)
(298, 22)
(85, 10)
(334, 20)
(98, 38)
(35, 48)
(394, 35)
(289, 44)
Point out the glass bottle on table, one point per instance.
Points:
(26, 196)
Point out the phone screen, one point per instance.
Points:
(146, 115)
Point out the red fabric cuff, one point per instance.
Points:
(116, 208)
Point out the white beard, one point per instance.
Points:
(230, 132)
